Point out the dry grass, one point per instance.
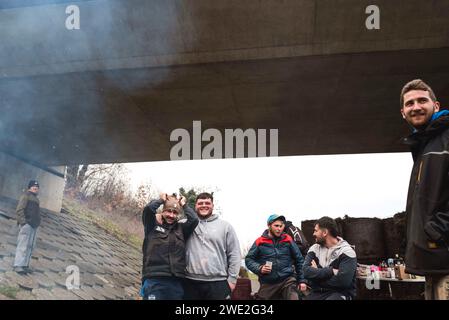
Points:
(127, 229)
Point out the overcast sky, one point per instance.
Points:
(247, 191)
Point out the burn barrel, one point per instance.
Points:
(307, 228)
(394, 232)
(242, 290)
(367, 235)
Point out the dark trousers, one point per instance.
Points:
(163, 288)
(284, 290)
(206, 290)
(327, 295)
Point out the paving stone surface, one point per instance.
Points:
(109, 268)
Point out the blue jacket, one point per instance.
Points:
(282, 251)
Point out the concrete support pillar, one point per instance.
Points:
(15, 174)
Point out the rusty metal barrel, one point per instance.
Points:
(242, 289)
(394, 232)
(367, 235)
(307, 228)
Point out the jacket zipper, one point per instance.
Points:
(419, 172)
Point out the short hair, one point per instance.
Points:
(204, 195)
(417, 84)
(329, 224)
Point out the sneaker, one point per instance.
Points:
(20, 270)
(28, 270)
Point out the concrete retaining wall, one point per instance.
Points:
(14, 177)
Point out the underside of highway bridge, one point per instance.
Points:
(114, 89)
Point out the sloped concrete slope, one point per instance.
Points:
(108, 268)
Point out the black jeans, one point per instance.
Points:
(328, 295)
(206, 290)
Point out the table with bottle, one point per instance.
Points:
(390, 280)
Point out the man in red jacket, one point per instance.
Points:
(276, 259)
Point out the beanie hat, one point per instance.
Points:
(33, 183)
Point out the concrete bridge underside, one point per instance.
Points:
(136, 70)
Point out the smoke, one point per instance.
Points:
(72, 96)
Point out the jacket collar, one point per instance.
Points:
(267, 236)
(439, 123)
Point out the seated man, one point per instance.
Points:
(330, 265)
(272, 258)
(164, 248)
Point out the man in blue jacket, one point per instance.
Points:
(276, 259)
(330, 265)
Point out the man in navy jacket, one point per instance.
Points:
(276, 259)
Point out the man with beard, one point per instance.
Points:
(330, 265)
(213, 255)
(272, 257)
(164, 248)
(427, 250)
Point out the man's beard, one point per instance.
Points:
(320, 241)
(274, 233)
(168, 221)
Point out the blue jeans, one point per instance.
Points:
(162, 288)
(26, 241)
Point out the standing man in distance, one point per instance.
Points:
(28, 219)
(427, 212)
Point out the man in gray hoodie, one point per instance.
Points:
(330, 265)
(212, 255)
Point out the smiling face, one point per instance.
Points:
(320, 235)
(170, 215)
(276, 228)
(418, 108)
(204, 208)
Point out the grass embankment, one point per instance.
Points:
(102, 221)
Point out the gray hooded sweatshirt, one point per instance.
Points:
(213, 251)
(341, 257)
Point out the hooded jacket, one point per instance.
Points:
(164, 247)
(28, 210)
(427, 212)
(213, 251)
(282, 252)
(341, 257)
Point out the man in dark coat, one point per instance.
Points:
(427, 251)
(331, 264)
(28, 220)
(164, 248)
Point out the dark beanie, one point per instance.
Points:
(33, 183)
